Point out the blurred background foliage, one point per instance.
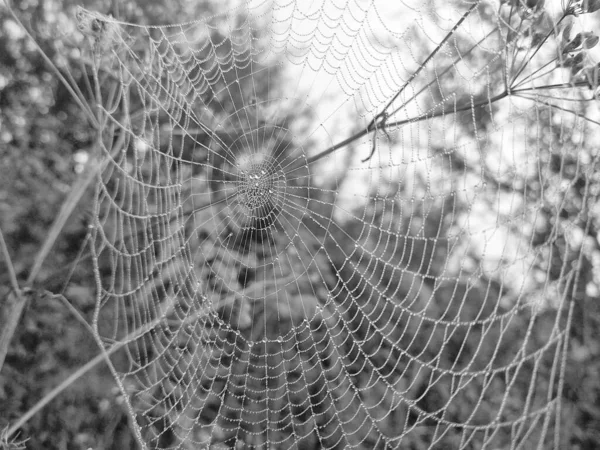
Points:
(43, 136)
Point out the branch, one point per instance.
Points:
(77, 191)
(10, 313)
(422, 66)
(11, 270)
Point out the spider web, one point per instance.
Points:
(342, 224)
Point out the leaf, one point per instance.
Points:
(577, 63)
(590, 42)
(568, 62)
(537, 39)
(578, 59)
(590, 6)
(244, 316)
(511, 36)
(573, 44)
(566, 34)
(257, 291)
(536, 5)
(543, 23)
(592, 76)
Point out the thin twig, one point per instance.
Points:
(551, 105)
(10, 309)
(11, 270)
(73, 311)
(388, 125)
(10, 313)
(540, 45)
(427, 60)
(67, 208)
(82, 182)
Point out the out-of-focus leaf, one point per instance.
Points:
(245, 315)
(511, 35)
(566, 34)
(590, 42)
(225, 276)
(537, 39)
(574, 44)
(257, 291)
(533, 6)
(592, 76)
(590, 6)
(577, 66)
(578, 59)
(567, 62)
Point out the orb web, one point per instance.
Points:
(345, 224)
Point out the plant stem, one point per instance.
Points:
(10, 313)
(468, 107)
(431, 115)
(431, 56)
(10, 308)
(77, 191)
(397, 123)
(11, 270)
(551, 105)
(540, 45)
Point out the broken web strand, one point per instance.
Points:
(175, 394)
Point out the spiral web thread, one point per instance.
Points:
(411, 289)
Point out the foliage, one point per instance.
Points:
(44, 135)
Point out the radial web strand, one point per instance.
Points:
(345, 224)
